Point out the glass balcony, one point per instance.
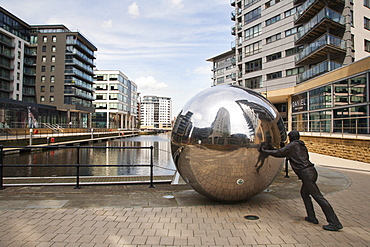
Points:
(233, 30)
(232, 2)
(232, 15)
(325, 13)
(309, 3)
(78, 92)
(317, 70)
(321, 42)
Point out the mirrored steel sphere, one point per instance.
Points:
(215, 142)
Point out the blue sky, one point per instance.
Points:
(162, 45)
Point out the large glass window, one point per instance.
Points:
(253, 48)
(255, 82)
(347, 120)
(357, 89)
(253, 65)
(341, 96)
(252, 15)
(253, 32)
(320, 98)
(300, 122)
(272, 20)
(320, 121)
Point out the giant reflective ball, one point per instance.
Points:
(216, 138)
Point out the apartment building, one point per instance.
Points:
(156, 112)
(45, 69)
(282, 46)
(116, 100)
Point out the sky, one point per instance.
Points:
(161, 45)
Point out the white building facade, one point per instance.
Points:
(156, 112)
(116, 100)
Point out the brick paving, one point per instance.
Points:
(280, 222)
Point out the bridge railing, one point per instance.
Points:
(78, 162)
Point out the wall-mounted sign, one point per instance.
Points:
(299, 102)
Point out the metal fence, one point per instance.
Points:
(351, 125)
(77, 165)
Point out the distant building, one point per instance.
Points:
(48, 66)
(115, 100)
(155, 112)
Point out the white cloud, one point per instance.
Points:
(133, 10)
(177, 3)
(149, 83)
(203, 70)
(107, 24)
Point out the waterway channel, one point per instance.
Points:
(163, 164)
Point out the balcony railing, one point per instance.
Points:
(324, 40)
(317, 70)
(324, 13)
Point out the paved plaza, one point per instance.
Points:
(175, 215)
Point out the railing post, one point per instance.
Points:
(151, 167)
(1, 167)
(356, 127)
(286, 168)
(78, 168)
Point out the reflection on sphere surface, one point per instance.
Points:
(215, 142)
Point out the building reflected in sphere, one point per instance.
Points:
(215, 142)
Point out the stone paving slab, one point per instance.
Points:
(133, 216)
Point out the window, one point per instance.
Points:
(273, 38)
(51, 98)
(255, 82)
(295, 71)
(19, 44)
(290, 12)
(367, 45)
(291, 31)
(366, 23)
(367, 3)
(54, 38)
(292, 51)
(43, 79)
(253, 65)
(351, 18)
(53, 48)
(52, 68)
(272, 20)
(42, 98)
(253, 48)
(253, 32)
(252, 15)
(43, 59)
(271, 3)
(42, 89)
(53, 59)
(43, 68)
(52, 79)
(44, 48)
(248, 3)
(19, 55)
(18, 87)
(51, 89)
(45, 39)
(18, 65)
(274, 75)
(273, 57)
(18, 76)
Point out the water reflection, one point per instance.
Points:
(163, 164)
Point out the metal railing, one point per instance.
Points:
(335, 127)
(78, 163)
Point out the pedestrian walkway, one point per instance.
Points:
(135, 215)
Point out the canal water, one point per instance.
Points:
(163, 164)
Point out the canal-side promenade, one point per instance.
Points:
(135, 215)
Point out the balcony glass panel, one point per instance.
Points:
(324, 13)
(317, 70)
(326, 39)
